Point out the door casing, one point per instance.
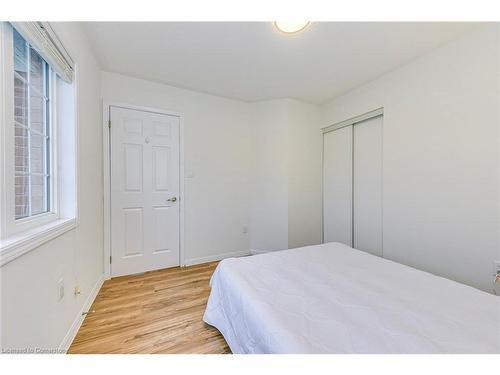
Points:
(106, 139)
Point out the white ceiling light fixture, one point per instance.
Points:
(291, 27)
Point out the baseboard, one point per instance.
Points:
(73, 330)
(212, 258)
(255, 252)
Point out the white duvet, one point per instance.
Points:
(333, 299)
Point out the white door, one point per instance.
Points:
(144, 191)
(337, 186)
(367, 186)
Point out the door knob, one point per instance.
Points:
(174, 199)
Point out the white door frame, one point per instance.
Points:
(106, 149)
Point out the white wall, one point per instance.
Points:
(441, 159)
(31, 313)
(305, 144)
(286, 187)
(217, 148)
(269, 209)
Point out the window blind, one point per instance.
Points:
(44, 40)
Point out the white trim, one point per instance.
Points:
(15, 246)
(77, 323)
(107, 177)
(76, 144)
(256, 252)
(182, 255)
(7, 161)
(106, 170)
(354, 120)
(3, 143)
(212, 258)
(55, 177)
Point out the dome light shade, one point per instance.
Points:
(291, 26)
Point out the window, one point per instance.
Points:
(32, 123)
(37, 137)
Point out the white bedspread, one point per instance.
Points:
(333, 299)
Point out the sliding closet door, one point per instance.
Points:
(337, 186)
(367, 185)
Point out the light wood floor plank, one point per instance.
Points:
(155, 312)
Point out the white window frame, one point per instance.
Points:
(22, 235)
(11, 225)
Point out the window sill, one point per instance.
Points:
(20, 244)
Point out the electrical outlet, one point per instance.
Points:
(60, 289)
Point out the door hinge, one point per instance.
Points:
(110, 259)
(109, 124)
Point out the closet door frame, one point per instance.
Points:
(349, 122)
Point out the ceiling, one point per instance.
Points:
(252, 61)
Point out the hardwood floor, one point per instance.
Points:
(155, 312)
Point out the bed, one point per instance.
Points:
(332, 298)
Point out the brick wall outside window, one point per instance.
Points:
(31, 130)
